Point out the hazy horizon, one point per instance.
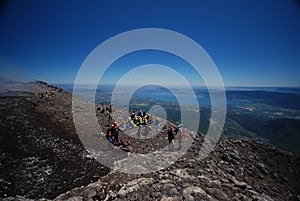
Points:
(84, 86)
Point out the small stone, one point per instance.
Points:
(240, 184)
(235, 155)
(262, 168)
(275, 176)
(253, 192)
(261, 165)
(231, 171)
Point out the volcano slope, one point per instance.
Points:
(43, 158)
(41, 155)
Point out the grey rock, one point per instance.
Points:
(195, 193)
(89, 193)
(240, 184)
(268, 198)
(262, 168)
(261, 165)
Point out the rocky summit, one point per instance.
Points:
(43, 158)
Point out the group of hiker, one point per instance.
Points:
(112, 136)
(49, 92)
(109, 109)
(140, 119)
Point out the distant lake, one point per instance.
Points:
(185, 99)
(157, 94)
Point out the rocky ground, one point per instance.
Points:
(41, 155)
(236, 170)
(43, 158)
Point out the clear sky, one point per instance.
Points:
(253, 43)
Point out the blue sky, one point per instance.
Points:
(253, 43)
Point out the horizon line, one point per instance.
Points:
(170, 85)
(203, 86)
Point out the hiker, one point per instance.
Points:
(132, 115)
(109, 137)
(110, 118)
(51, 92)
(171, 137)
(140, 114)
(116, 132)
(138, 120)
(102, 109)
(125, 146)
(127, 143)
(122, 143)
(109, 109)
(178, 130)
(147, 119)
(46, 94)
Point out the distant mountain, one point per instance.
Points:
(5, 81)
(5, 84)
(292, 90)
(278, 99)
(13, 88)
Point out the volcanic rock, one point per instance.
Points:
(42, 158)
